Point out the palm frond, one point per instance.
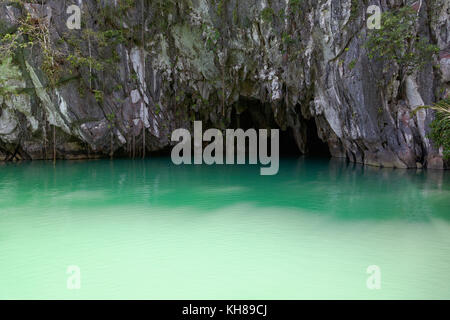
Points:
(442, 107)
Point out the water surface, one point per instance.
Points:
(147, 229)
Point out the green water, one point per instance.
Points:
(151, 230)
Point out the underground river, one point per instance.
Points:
(147, 229)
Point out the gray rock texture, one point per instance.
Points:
(215, 61)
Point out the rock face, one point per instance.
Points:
(280, 63)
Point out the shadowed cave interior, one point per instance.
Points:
(251, 113)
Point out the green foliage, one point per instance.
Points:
(166, 12)
(352, 64)
(111, 117)
(109, 11)
(76, 60)
(220, 7)
(354, 10)
(212, 37)
(440, 127)
(287, 38)
(118, 87)
(295, 6)
(396, 41)
(98, 94)
(134, 76)
(33, 32)
(111, 37)
(125, 5)
(267, 14)
(8, 74)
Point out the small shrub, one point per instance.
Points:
(396, 41)
(267, 14)
(440, 127)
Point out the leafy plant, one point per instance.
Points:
(98, 95)
(111, 117)
(8, 73)
(440, 127)
(267, 14)
(397, 41)
(157, 109)
(287, 38)
(295, 6)
(29, 33)
(352, 64)
(355, 5)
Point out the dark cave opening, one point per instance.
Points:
(288, 145)
(316, 147)
(250, 114)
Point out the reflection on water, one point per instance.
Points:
(149, 229)
(332, 187)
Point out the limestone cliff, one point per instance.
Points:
(159, 64)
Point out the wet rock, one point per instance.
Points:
(198, 61)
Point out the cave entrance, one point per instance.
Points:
(288, 145)
(315, 145)
(252, 114)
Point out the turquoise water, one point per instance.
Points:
(152, 230)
